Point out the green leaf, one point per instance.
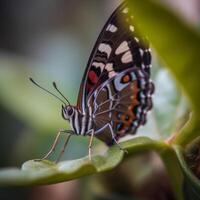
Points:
(191, 185)
(46, 172)
(178, 45)
(189, 191)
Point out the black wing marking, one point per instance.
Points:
(116, 50)
(122, 102)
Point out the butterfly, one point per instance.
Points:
(116, 90)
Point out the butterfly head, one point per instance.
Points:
(67, 112)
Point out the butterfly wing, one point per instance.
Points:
(122, 103)
(116, 50)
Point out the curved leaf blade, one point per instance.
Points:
(191, 183)
(46, 172)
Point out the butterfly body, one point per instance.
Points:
(116, 91)
(114, 109)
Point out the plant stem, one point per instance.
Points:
(174, 171)
(189, 133)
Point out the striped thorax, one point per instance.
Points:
(80, 122)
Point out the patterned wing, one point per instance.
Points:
(116, 50)
(122, 103)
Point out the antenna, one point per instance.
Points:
(55, 86)
(46, 90)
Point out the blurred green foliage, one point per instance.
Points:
(170, 126)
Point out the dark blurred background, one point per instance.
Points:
(51, 40)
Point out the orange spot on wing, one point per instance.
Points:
(126, 78)
(135, 87)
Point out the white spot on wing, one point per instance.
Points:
(109, 68)
(135, 123)
(111, 74)
(103, 47)
(141, 52)
(141, 74)
(98, 64)
(127, 57)
(143, 66)
(123, 47)
(147, 50)
(112, 28)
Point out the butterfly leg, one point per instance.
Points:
(53, 147)
(63, 150)
(90, 145)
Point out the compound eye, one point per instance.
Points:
(67, 112)
(70, 111)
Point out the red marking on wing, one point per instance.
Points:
(93, 77)
(88, 87)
